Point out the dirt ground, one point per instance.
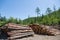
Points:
(41, 37)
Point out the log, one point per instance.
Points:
(20, 36)
(17, 34)
(18, 31)
(22, 31)
(20, 28)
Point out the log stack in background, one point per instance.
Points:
(15, 31)
(42, 29)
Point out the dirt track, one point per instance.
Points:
(42, 37)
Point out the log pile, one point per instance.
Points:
(15, 31)
(41, 29)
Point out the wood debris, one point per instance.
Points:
(41, 29)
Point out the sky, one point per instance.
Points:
(24, 8)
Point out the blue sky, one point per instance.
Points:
(22, 8)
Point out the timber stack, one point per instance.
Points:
(46, 30)
(16, 31)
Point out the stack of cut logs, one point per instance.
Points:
(42, 29)
(15, 31)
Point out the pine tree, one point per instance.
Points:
(38, 12)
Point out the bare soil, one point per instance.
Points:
(41, 37)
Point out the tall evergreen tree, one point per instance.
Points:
(48, 10)
(38, 12)
(54, 8)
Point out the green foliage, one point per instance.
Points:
(37, 10)
(4, 20)
(48, 10)
(51, 18)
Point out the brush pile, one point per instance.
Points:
(41, 29)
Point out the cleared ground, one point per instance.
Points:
(41, 37)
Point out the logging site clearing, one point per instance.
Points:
(13, 31)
